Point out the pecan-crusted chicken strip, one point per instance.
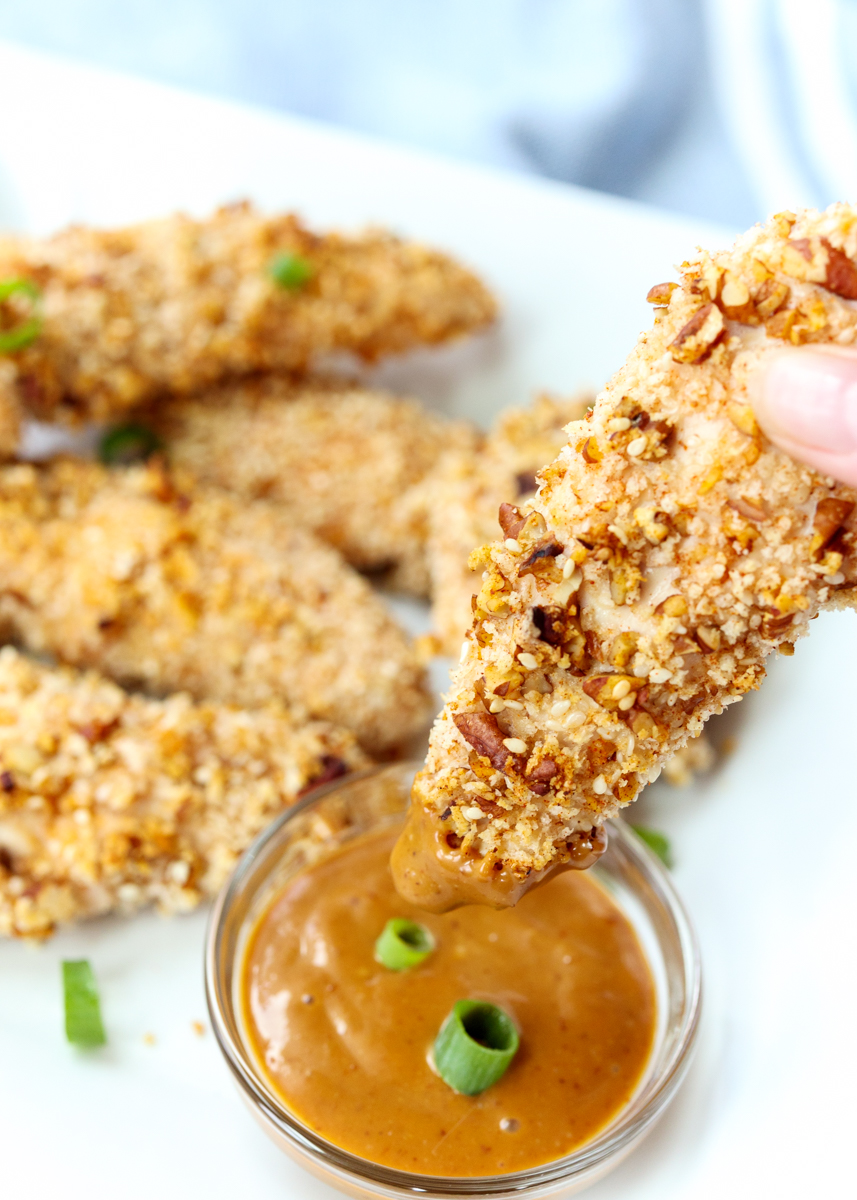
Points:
(168, 586)
(669, 550)
(110, 801)
(346, 460)
(178, 304)
(465, 492)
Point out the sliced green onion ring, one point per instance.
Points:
(20, 336)
(290, 271)
(403, 944)
(476, 1044)
(128, 443)
(658, 842)
(83, 1024)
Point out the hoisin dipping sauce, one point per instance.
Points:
(344, 1042)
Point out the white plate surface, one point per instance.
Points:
(765, 847)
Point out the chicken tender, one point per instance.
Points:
(177, 305)
(169, 587)
(110, 801)
(467, 490)
(345, 460)
(669, 550)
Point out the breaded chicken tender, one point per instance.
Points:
(468, 488)
(177, 305)
(167, 586)
(109, 801)
(344, 459)
(669, 550)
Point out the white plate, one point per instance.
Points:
(765, 847)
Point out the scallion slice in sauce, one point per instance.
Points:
(403, 944)
(290, 271)
(476, 1044)
(21, 335)
(128, 443)
(83, 1024)
(657, 842)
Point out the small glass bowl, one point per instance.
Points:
(358, 804)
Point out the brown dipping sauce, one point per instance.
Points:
(343, 1041)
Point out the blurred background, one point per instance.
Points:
(721, 109)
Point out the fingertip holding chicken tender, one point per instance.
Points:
(670, 549)
(344, 459)
(111, 801)
(468, 488)
(169, 587)
(177, 305)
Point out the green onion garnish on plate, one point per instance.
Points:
(20, 336)
(403, 944)
(83, 1024)
(290, 271)
(128, 443)
(657, 842)
(476, 1044)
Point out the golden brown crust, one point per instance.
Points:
(179, 304)
(669, 550)
(171, 587)
(465, 493)
(347, 461)
(110, 801)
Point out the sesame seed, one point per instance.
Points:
(561, 706)
(621, 689)
(513, 544)
(599, 785)
(516, 704)
(637, 447)
(568, 568)
(464, 649)
(619, 424)
(529, 661)
(515, 745)
(627, 702)
(575, 720)
(496, 705)
(472, 814)
(660, 675)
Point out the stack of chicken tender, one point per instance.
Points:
(188, 643)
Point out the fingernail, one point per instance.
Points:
(808, 398)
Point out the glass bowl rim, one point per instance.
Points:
(617, 1139)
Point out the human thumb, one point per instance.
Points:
(806, 403)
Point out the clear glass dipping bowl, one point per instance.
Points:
(358, 804)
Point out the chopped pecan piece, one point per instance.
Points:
(660, 294)
(830, 515)
(550, 622)
(840, 273)
(511, 519)
(696, 339)
(600, 751)
(331, 768)
(770, 298)
(610, 691)
(540, 777)
(548, 548)
(483, 733)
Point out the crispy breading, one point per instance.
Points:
(110, 801)
(168, 586)
(344, 459)
(466, 491)
(670, 549)
(179, 304)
